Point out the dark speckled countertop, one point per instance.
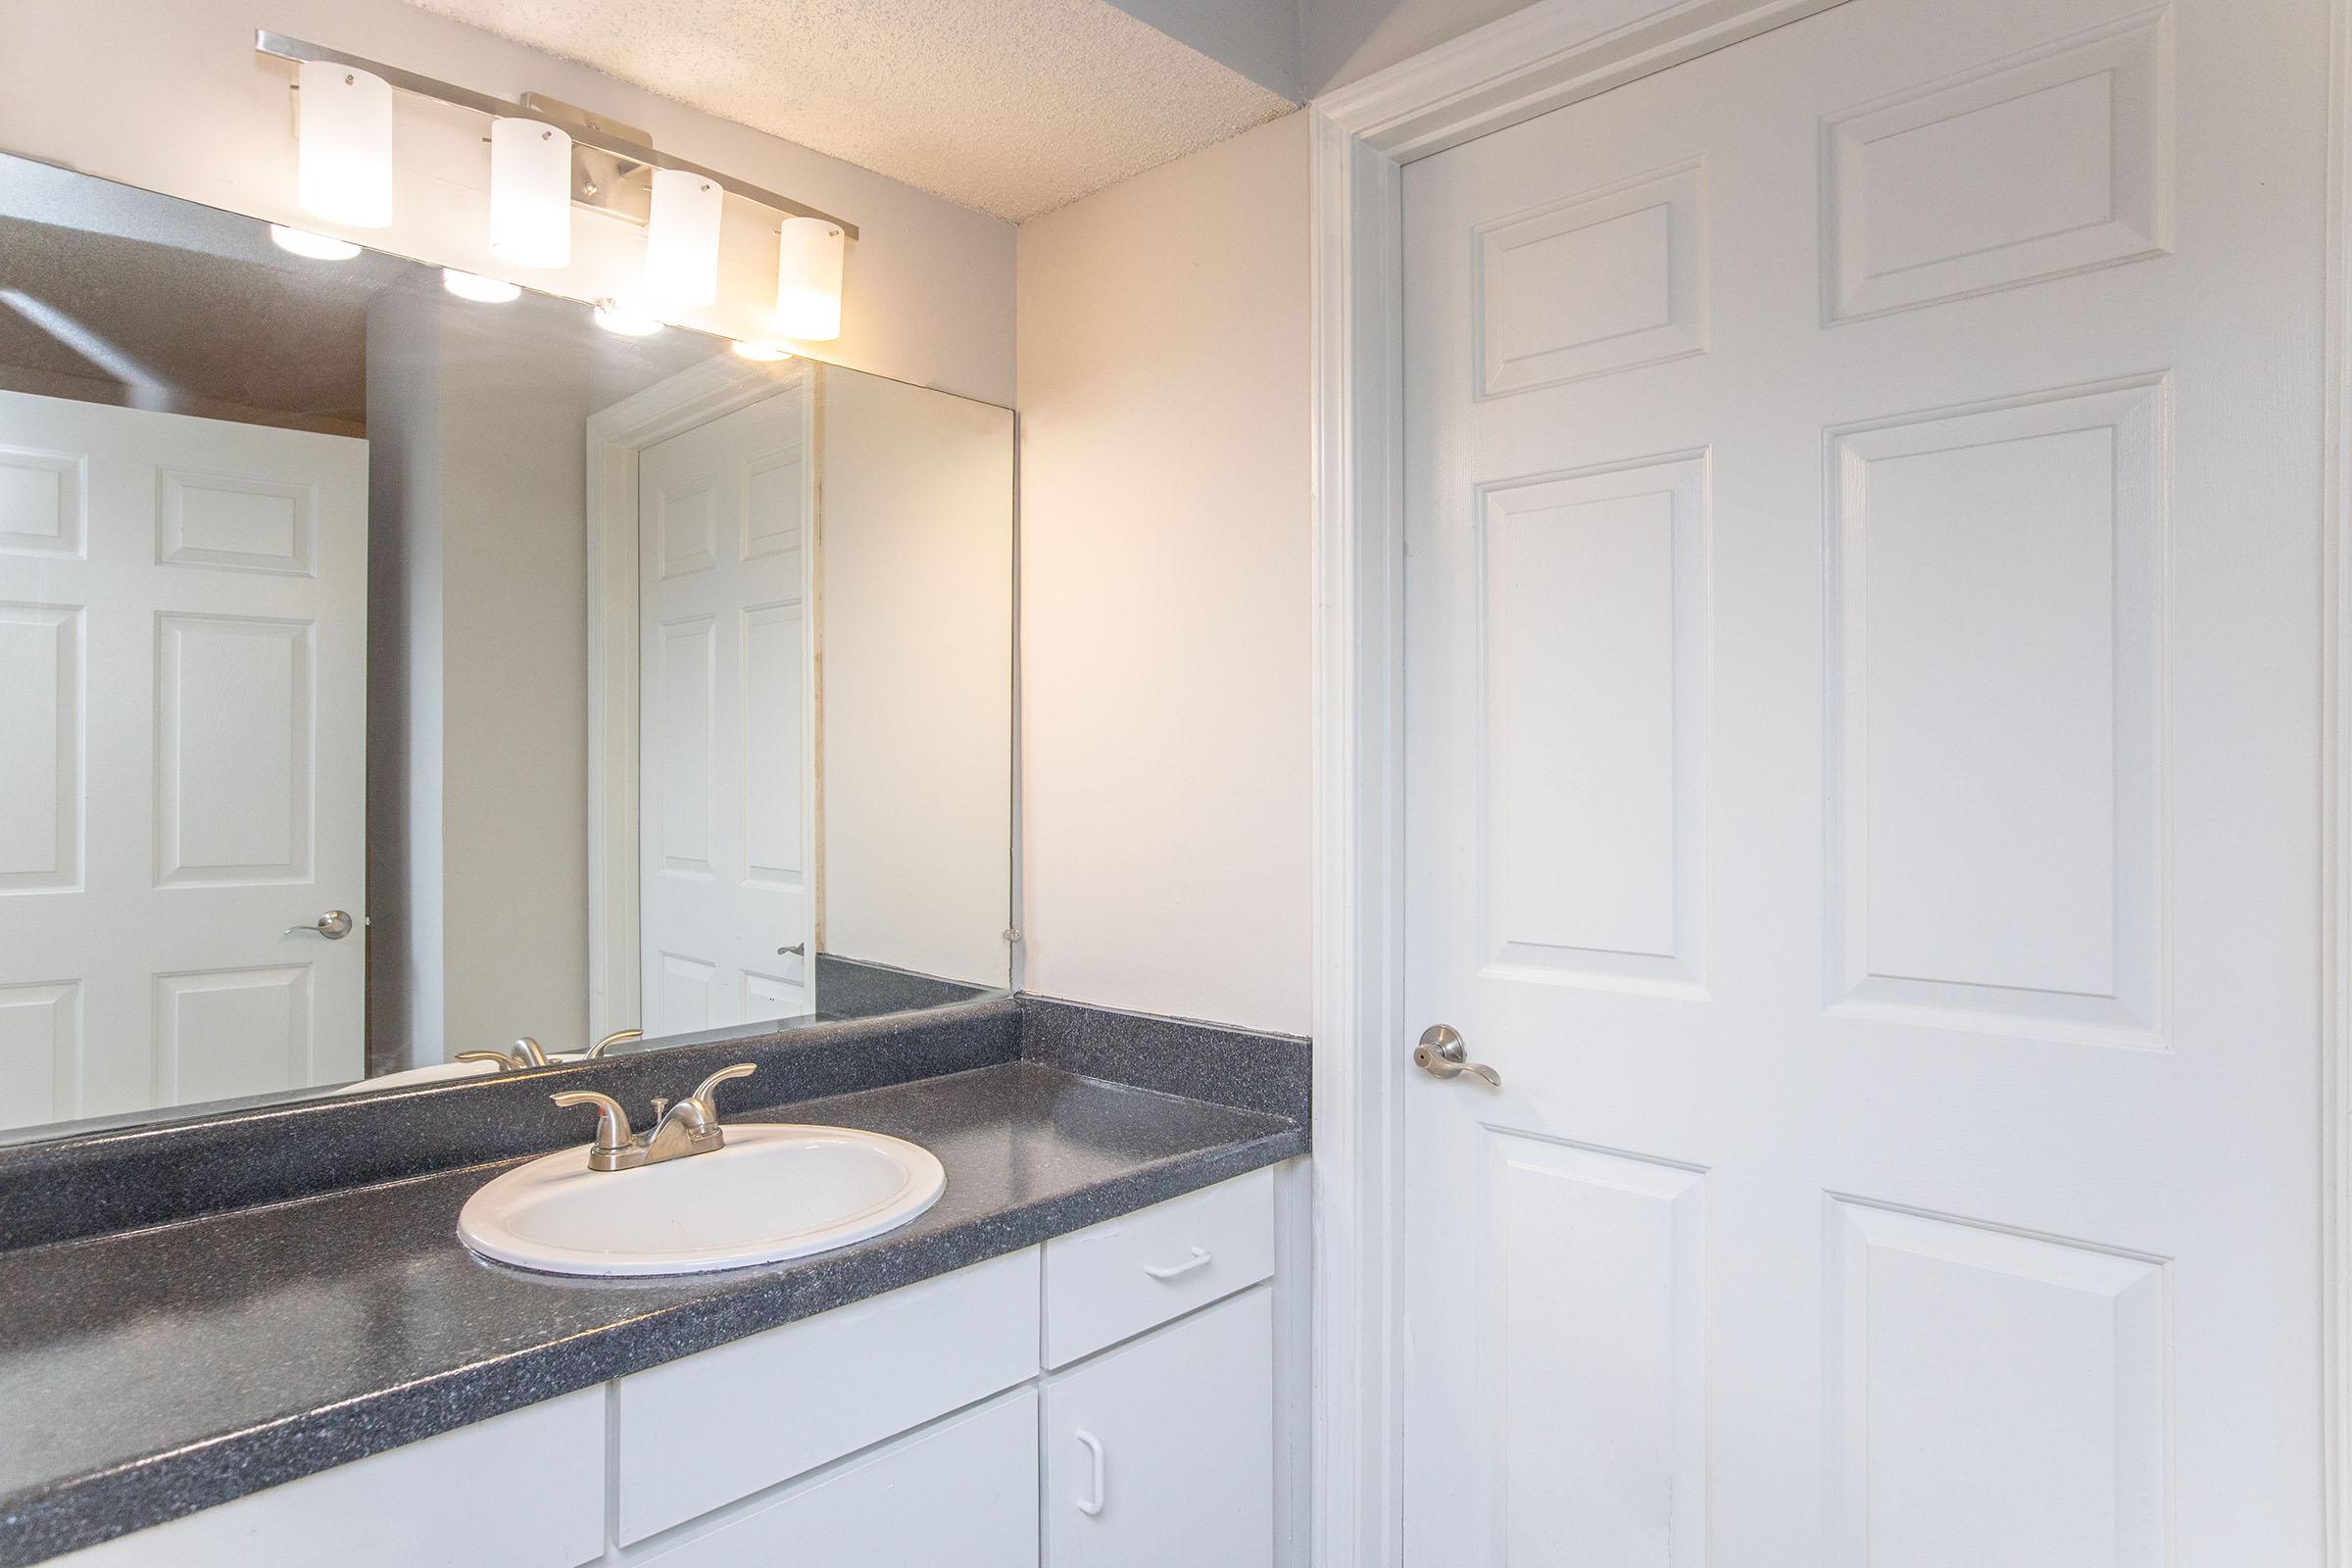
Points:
(152, 1373)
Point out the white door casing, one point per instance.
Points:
(1863, 707)
(725, 718)
(182, 696)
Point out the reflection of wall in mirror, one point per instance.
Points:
(915, 566)
(477, 703)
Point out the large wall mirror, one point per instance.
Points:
(395, 667)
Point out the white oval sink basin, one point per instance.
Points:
(772, 1192)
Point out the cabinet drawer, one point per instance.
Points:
(704, 1431)
(1160, 1453)
(960, 1494)
(1116, 1278)
(524, 1490)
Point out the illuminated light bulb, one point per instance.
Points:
(317, 247)
(615, 317)
(482, 290)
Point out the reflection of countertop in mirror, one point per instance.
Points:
(152, 1373)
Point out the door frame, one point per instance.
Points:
(616, 436)
(1549, 55)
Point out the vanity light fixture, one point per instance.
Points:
(314, 247)
(343, 168)
(681, 239)
(615, 317)
(547, 158)
(482, 290)
(764, 353)
(531, 193)
(809, 280)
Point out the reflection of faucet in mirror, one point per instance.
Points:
(527, 1054)
(688, 1127)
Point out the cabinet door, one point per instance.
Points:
(958, 1495)
(1160, 1453)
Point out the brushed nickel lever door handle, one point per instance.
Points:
(1443, 1053)
(334, 925)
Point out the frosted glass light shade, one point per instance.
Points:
(531, 193)
(809, 280)
(681, 243)
(343, 169)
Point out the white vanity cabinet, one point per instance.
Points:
(1104, 1400)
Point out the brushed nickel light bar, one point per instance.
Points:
(626, 146)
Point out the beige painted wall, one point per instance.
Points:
(170, 95)
(477, 691)
(1167, 763)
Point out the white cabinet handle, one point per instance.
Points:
(1199, 1260)
(1093, 1447)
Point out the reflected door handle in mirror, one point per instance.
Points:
(799, 950)
(1443, 1053)
(334, 925)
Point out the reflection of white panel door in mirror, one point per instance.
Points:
(724, 722)
(182, 683)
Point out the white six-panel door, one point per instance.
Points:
(722, 649)
(183, 745)
(1862, 715)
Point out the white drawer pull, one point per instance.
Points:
(1199, 1260)
(1093, 1447)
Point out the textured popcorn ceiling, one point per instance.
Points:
(1014, 107)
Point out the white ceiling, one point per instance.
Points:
(1014, 107)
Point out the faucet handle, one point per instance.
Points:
(611, 1122)
(708, 1087)
(505, 1063)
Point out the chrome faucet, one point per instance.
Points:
(688, 1127)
